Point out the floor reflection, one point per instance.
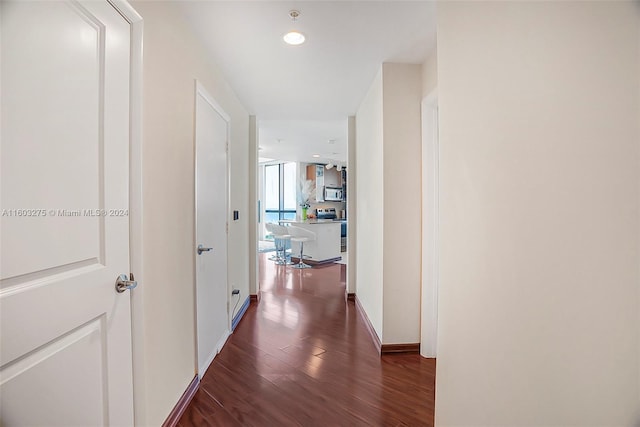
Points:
(303, 356)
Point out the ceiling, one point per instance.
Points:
(301, 93)
(300, 140)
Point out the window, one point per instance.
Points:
(280, 192)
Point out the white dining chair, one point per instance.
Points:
(301, 235)
(284, 240)
(281, 240)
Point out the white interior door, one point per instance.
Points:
(65, 356)
(212, 131)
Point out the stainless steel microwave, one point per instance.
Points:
(332, 194)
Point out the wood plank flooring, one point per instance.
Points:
(302, 356)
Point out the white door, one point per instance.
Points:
(65, 355)
(212, 130)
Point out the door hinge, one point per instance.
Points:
(226, 148)
(227, 227)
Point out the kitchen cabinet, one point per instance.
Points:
(332, 178)
(311, 172)
(325, 248)
(323, 177)
(315, 173)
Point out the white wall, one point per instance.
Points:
(254, 285)
(388, 202)
(261, 230)
(369, 200)
(352, 211)
(173, 59)
(638, 124)
(430, 175)
(430, 73)
(539, 136)
(402, 87)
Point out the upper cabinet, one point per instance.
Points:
(315, 173)
(332, 178)
(326, 178)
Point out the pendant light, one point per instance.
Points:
(294, 37)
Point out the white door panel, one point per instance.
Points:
(65, 357)
(211, 219)
(41, 103)
(81, 349)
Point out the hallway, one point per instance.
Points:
(303, 356)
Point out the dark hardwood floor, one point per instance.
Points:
(303, 356)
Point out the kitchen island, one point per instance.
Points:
(326, 247)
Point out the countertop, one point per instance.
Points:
(309, 221)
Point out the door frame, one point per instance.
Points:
(136, 23)
(430, 226)
(202, 91)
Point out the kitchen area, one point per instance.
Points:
(302, 181)
(321, 199)
(330, 196)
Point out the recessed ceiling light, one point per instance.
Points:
(332, 141)
(294, 38)
(316, 155)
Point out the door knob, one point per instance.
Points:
(123, 283)
(203, 249)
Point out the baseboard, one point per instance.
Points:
(400, 348)
(255, 297)
(351, 296)
(238, 316)
(185, 399)
(367, 322)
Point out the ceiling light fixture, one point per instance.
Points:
(294, 37)
(316, 155)
(329, 166)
